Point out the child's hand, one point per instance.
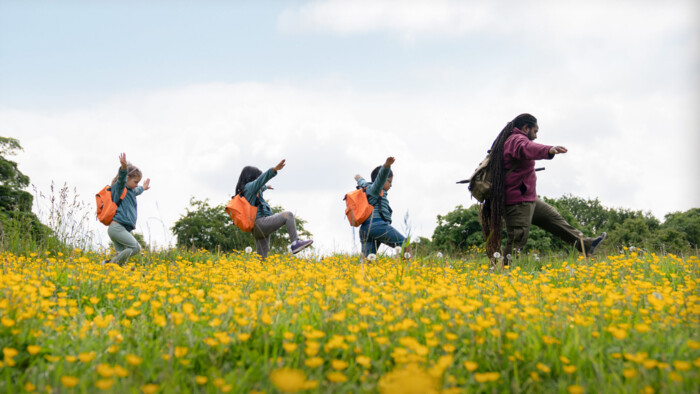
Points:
(357, 177)
(389, 161)
(269, 187)
(122, 160)
(279, 166)
(147, 184)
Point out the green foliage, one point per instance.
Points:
(20, 228)
(633, 231)
(686, 223)
(458, 230)
(209, 227)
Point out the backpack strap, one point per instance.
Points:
(120, 197)
(379, 202)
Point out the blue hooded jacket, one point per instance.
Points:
(126, 212)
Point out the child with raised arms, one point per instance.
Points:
(124, 220)
(377, 229)
(251, 185)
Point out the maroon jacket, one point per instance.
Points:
(519, 150)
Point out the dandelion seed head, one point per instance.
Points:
(248, 249)
(407, 255)
(372, 257)
(438, 255)
(496, 255)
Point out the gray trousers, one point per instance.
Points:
(269, 224)
(124, 243)
(520, 216)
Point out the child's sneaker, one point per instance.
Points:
(299, 245)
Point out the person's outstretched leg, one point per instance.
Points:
(547, 218)
(267, 225)
(384, 233)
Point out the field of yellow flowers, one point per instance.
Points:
(185, 322)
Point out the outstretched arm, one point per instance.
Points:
(122, 160)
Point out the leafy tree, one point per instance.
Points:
(458, 230)
(210, 227)
(685, 223)
(17, 221)
(12, 181)
(632, 232)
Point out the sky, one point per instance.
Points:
(193, 91)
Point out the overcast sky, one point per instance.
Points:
(193, 91)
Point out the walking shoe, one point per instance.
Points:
(299, 245)
(597, 242)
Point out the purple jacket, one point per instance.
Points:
(521, 182)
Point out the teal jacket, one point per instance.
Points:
(253, 192)
(127, 210)
(375, 197)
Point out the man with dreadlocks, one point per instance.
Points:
(513, 193)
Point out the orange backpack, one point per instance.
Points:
(242, 213)
(106, 208)
(357, 208)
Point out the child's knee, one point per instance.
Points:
(287, 215)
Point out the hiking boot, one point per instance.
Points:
(299, 245)
(597, 242)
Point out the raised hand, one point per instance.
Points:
(557, 149)
(147, 184)
(357, 177)
(389, 161)
(122, 160)
(280, 165)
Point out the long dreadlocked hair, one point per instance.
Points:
(493, 209)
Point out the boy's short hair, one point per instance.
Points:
(375, 172)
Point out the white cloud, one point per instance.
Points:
(407, 19)
(558, 20)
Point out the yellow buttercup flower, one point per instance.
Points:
(133, 359)
(180, 351)
(149, 388)
(574, 389)
(288, 380)
(69, 381)
(337, 377)
(104, 384)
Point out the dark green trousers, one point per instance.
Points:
(520, 216)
